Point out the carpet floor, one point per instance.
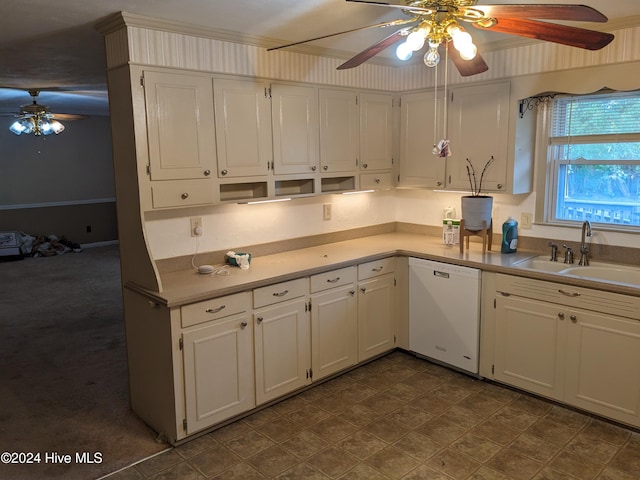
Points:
(63, 369)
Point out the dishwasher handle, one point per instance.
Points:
(437, 273)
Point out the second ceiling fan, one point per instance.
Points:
(440, 23)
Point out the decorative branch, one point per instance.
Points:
(476, 188)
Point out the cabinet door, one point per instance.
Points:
(529, 345)
(294, 111)
(418, 166)
(218, 371)
(375, 131)
(375, 316)
(282, 349)
(478, 130)
(334, 331)
(243, 127)
(603, 365)
(339, 141)
(180, 125)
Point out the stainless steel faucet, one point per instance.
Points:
(554, 252)
(568, 254)
(584, 249)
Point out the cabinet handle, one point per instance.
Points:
(377, 180)
(561, 315)
(280, 294)
(573, 318)
(352, 292)
(313, 169)
(439, 184)
(499, 186)
(377, 269)
(364, 165)
(224, 172)
(325, 168)
(334, 280)
(363, 289)
(569, 294)
(184, 196)
(207, 173)
(243, 325)
(259, 320)
(216, 310)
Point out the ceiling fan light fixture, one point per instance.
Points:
(49, 126)
(404, 51)
(432, 57)
(24, 125)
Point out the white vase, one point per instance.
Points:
(475, 210)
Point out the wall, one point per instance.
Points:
(59, 184)
(235, 225)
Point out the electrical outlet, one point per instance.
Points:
(525, 220)
(326, 211)
(196, 226)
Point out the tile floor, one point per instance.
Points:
(401, 417)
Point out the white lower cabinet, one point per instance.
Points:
(281, 339)
(603, 365)
(529, 346)
(334, 322)
(575, 345)
(376, 308)
(217, 352)
(218, 371)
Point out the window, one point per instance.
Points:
(594, 159)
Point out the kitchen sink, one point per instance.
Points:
(607, 272)
(541, 263)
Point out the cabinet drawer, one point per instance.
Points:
(375, 268)
(182, 193)
(215, 308)
(569, 295)
(334, 278)
(280, 292)
(370, 181)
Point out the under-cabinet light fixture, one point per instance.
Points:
(268, 201)
(357, 192)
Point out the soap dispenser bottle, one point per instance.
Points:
(509, 236)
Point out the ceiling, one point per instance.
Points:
(54, 47)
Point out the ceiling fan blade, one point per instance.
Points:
(551, 32)
(68, 116)
(577, 13)
(466, 68)
(377, 25)
(420, 10)
(372, 51)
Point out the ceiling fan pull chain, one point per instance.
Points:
(446, 94)
(435, 114)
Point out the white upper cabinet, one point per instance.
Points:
(339, 136)
(481, 123)
(479, 130)
(243, 127)
(376, 132)
(180, 125)
(294, 113)
(418, 166)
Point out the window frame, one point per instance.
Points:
(549, 181)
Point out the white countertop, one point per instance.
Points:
(188, 286)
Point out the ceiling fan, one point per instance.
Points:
(439, 23)
(37, 119)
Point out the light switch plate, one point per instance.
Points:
(525, 220)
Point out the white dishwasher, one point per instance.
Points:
(444, 312)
